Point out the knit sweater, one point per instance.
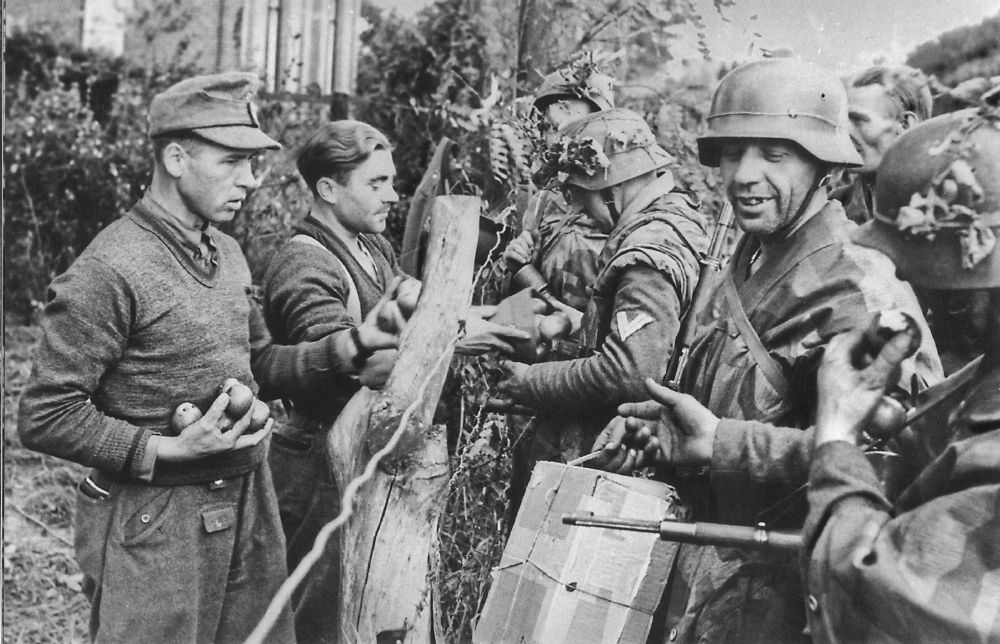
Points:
(305, 299)
(132, 329)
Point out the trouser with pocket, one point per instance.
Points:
(308, 498)
(184, 563)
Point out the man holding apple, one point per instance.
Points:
(320, 286)
(177, 529)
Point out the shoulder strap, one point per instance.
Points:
(353, 301)
(768, 365)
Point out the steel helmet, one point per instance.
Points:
(938, 202)
(586, 85)
(604, 149)
(781, 98)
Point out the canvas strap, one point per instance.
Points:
(353, 301)
(768, 365)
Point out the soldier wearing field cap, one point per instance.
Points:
(177, 529)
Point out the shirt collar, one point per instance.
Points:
(196, 240)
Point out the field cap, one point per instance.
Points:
(217, 107)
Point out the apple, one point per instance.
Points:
(240, 398)
(259, 414)
(407, 296)
(185, 414)
(555, 325)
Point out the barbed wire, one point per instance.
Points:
(284, 594)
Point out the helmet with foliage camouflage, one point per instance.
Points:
(580, 82)
(781, 98)
(938, 202)
(604, 149)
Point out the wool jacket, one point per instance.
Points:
(305, 299)
(133, 328)
(137, 326)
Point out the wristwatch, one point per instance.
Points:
(363, 352)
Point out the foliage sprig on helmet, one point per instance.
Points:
(938, 200)
(602, 150)
(581, 79)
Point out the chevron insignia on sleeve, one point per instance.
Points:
(627, 327)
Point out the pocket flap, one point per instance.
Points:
(219, 519)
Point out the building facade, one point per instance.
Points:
(290, 43)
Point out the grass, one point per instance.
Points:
(41, 590)
(41, 581)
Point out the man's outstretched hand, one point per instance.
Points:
(483, 336)
(625, 446)
(671, 429)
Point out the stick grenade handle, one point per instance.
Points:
(503, 406)
(699, 533)
(711, 263)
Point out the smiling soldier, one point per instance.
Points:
(778, 130)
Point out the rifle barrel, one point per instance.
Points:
(711, 263)
(721, 233)
(699, 533)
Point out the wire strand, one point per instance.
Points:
(284, 594)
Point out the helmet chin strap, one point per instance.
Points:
(817, 183)
(609, 200)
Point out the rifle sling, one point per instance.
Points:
(768, 365)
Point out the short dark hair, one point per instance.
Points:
(185, 138)
(336, 149)
(907, 87)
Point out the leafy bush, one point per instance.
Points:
(962, 53)
(76, 155)
(66, 178)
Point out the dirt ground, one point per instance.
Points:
(42, 601)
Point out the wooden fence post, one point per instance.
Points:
(390, 543)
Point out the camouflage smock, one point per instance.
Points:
(815, 285)
(569, 244)
(647, 273)
(926, 570)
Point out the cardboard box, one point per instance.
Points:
(559, 583)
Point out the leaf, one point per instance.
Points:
(73, 582)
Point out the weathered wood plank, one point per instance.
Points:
(389, 545)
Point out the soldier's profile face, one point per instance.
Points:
(590, 202)
(362, 203)
(874, 125)
(215, 180)
(767, 181)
